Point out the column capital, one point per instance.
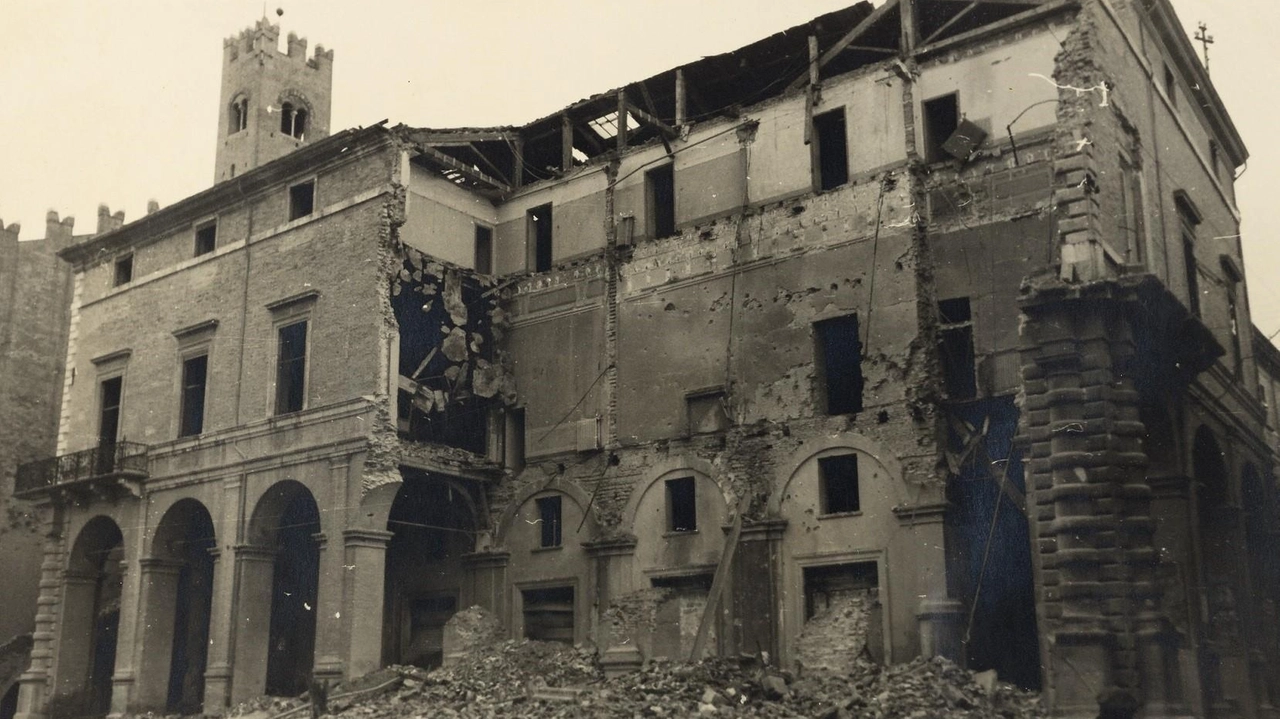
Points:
(376, 538)
(71, 576)
(612, 547)
(763, 530)
(929, 513)
(254, 553)
(491, 559)
(160, 565)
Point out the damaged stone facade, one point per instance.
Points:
(906, 331)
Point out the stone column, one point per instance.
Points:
(366, 556)
(34, 683)
(217, 673)
(756, 572)
(329, 594)
(125, 675)
(159, 608)
(487, 572)
(612, 564)
(255, 567)
(75, 632)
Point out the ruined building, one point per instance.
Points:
(919, 328)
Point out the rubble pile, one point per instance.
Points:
(537, 679)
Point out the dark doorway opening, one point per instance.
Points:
(292, 633)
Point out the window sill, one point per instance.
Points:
(679, 533)
(538, 550)
(840, 515)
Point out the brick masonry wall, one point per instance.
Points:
(35, 294)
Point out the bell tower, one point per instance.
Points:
(272, 102)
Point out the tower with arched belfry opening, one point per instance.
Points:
(271, 102)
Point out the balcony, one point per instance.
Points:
(105, 467)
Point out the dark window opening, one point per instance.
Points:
(839, 364)
(291, 368)
(484, 250)
(706, 412)
(302, 198)
(955, 333)
(195, 373)
(239, 115)
(682, 505)
(1188, 221)
(1170, 86)
(124, 270)
(1214, 159)
(548, 614)
(941, 118)
(514, 450)
(660, 191)
(549, 520)
(1132, 210)
(830, 586)
(109, 415)
(293, 120)
(838, 484)
(539, 224)
(206, 238)
(1233, 316)
(832, 149)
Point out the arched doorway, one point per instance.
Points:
(184, 538)
(287, 521)
(433, 526)
(91, 615)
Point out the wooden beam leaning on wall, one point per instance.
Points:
(858, 31)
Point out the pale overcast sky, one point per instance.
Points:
(117, 102)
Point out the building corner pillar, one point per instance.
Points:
(366, 558)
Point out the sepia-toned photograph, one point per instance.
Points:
(821, 359)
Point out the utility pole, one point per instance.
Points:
(1205, 39)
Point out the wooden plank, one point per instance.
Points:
(518, 147)
(492, 167)
(910, 26)
(646, 117)
(622, 120)
(681, 107)
(964, 12)
(566, 142)
(858, 31)
(458, 166)
(718, 582)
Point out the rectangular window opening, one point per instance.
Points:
(549, 520)
(1233, 317)
(832, 149)
(1170, 86)
(195, 374)
(514, 449)
(941, 118)
(682, 505)
(302, 198)
(707, 412)
(955, 333)
(1132, 211)
(548, 614)
(111, 392)
(291, 368)
(484, 250)
(838, 484)
(206, 238)
(124, 271)
(841, 586)
(660, 191)
(839, 365)
(1188, 221)
(539, 235)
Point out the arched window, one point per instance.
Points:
(293, 120)
(239, 115)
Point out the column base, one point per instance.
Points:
(31, 696)
(328, 668)
(217, 689)
(621, 660)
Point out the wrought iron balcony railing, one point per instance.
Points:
(106, 461)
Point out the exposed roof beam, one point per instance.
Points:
(952, 21)
(646, 117)
(461, 137)
(487, 163)
(858, 31)
(459, 166)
